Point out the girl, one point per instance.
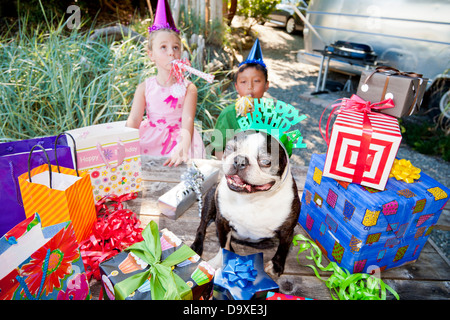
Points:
(170, 105)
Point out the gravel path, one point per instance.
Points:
(293, 81)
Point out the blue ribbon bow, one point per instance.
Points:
(240, 271)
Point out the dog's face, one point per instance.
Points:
(254, 162)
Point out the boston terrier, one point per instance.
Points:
(256, 199)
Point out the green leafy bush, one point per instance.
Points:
(256, 9)
(425, 137)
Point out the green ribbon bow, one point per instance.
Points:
(346, 286)
(164, 284)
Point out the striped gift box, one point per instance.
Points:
(362, 148)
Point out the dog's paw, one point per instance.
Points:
(197, 247)
(273, 269)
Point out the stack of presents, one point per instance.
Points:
(365, 209)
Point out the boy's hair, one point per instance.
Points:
(257, 66)
(153, 34)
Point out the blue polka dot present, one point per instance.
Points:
(364, 229)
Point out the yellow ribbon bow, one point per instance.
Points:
(405, 171)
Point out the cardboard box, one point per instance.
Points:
(406, 91)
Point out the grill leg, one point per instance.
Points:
(325, 74)
(319, 77)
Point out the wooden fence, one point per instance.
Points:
(206, 10)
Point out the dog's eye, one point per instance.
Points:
(265, 162)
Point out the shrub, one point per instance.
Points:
(54, 79)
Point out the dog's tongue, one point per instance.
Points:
(249, 187)
(237, 179)
(263, 187)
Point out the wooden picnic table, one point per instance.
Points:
(428, 278)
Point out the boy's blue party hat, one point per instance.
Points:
(255, 55)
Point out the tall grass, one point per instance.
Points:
(54, 79)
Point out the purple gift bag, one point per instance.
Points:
(14, 162)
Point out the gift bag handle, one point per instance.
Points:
(18, 196)
(48, 162)
(74, 151)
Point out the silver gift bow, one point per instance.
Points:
(193, 181)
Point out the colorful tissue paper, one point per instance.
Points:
(406, 89)
(242, 278)
(116, 229)
(42, 263)
(363, 145)
(159, 268)
(363, 229)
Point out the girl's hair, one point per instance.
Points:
(153, 34)
(257, 66)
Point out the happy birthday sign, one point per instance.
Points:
(275, 119)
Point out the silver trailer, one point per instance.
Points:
(410, 35)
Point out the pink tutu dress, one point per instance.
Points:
(160, 131)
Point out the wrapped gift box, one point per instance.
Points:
(406, 91)
(178, 199)
(42, 263)
(362, 228)
(242, 278)
(362, 156)
(282, 296)
(110, 153)
(197, 276)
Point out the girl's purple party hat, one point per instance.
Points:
(163, 18)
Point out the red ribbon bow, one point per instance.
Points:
(114, 231)
(354, 103)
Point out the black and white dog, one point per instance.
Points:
(257, 198)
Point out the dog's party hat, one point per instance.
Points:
(276, 120)
(163, 18)
(255, 55)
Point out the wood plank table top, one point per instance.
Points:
(428, 278)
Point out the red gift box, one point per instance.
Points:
(363, 144)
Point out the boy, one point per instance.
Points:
(251, 81)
